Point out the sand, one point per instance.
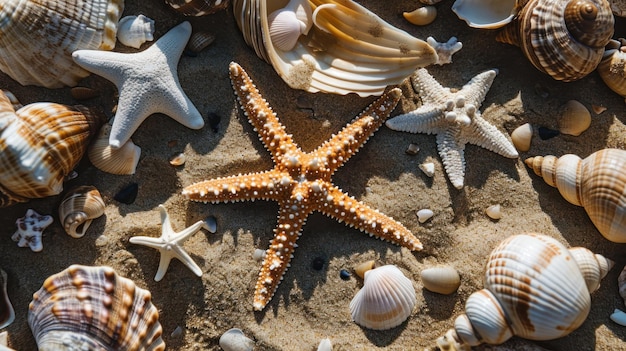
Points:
(312, 304)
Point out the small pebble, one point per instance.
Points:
(428, 168)
(178, 160)
(361, 268)
(211, 222)
(258, 254)
(423, 215)
(547, 133)
(127, 194)
(618, 316)
(494, 212)
(344, 274)
(214, 121)
(412, 149)
(318, 263)
(177, 332)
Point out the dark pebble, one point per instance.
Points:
(318, 263)
(214, 120)
(547, 133)
(128, 194)
(344, 274)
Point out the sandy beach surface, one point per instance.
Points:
(312, 304)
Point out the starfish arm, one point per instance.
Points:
(452, 155)
(429, 89)
(341, 146)
(291, 218)
(106, 64)
(425, 119)
(183, 235)
(155, 243)
(260, 115)
(476, 89)
(344, 208)
(267, 185)
(164, 264)
(487, 136)
(184, 257)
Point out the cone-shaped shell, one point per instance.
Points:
(597, 183)
(40, 144)
(340, 53)
(386, 299)
(592, 266)
(37, 38)
(564, 39)
(79, 207)
(95, 308)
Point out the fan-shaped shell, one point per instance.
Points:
(40, 144)
(135, 30)
(597, 183)
(197, 7)
(348, 49)
(564, 39)
(93, 308)
(37, 38)
(575, 118)
(122, 161)
(612, 68)
(386, 299)
(484, 13)
(79, 207)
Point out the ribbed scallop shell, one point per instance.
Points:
(197, 7)
(563, 38)
(612, 68)
(37, 38)
(40, 144)
(93, 308)
(121, 161)
(348, 49)
(79, 207)
(597, 183)
(386, 299)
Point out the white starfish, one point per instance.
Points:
(147, 82)
(455, 119)
(170, 244)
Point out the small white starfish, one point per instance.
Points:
(455, 119)
(147, 82)
(170, 244)
(30, 228)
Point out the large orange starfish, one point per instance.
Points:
(300, 182)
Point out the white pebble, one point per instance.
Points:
(325, 345)
(424, 214)
(618, 316)
(258, 254)
(428, 168)
(494, 212)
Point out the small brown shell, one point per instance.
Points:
(79, 207)
(197, 7)
(200, 41)
(575, 118)
(95, 308)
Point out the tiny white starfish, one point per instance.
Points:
(30, 228)
(170, 244)
(147, 82)
(455, 119)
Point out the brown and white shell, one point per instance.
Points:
(597, 183)
(40, 144)
(197, 7)
(37, 38)
(120, 161)
(79, 207)
(93, 308)
(340, 53)
(612, 68)
(564, 39)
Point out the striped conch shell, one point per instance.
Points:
(37, 37)
(597, 183)
(40, 144)
(93, 308)
(612, 68)
(535, 288)
(79, 207)
(341, 48)
(563, 38)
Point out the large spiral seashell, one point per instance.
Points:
(347, 48)
(40, 144)
(79, 207)
(563, 38)
(37, 38)
(597, 183)
(93, 308)
(534, 289)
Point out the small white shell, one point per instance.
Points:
(443, 280)
(178, 160)
(484, 13)
(287, 24)
(494, 211)
(386, 300)
(575, 118)
(325, 345)
(424, 214)
(79, 207)
(428, 168)
(235, 340)
(122, 161)
(421, 16)
(258, 254)
(522, 136)
(135, 30)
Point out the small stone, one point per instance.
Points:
(547, 133)
(423, 215)
(318, 263)
(127, 194)
(428, 168)
(412, 149)
(344, 274)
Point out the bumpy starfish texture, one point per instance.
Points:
(170, 244)
(147, 82)
(301, 182)
(455, 119)
(29, 230)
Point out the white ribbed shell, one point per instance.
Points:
(37, 38)
(121, 161)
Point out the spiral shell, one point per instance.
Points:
(564, 38)
(37, 38)
(534, 289)
(347, 49)
(597, 183)
(79, 207)
(612, 68)
(93, 308)
(197, 7)
(40, 144)
(135, 30)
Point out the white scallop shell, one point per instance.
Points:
(121, 161)
(575, 118)
(37, 38)
(93, 308)
(486, 14)
(235, 340)
(287, 24)
(443, 279)
(79, 207)
(362, 61)
(135, 30)
(386, 300)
